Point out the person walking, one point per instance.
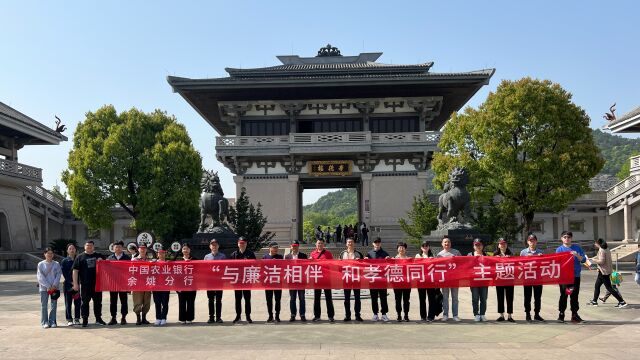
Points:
(141, 299)
(187, 298)
(319, 254)
(273, 294)
(48, 275)
(295, 254)
(532, 250)
(215, 296)
(571, 290)
(448, 251)
(240, 254)
(71, 297)
(503, 292)
(365, 235)
(378, 253)
(118, 255)
(479, 294)
(428, 293)
(350, 253)
(339, 234)
(161, 298)
(605, 268)
(402, 295)
(84, 280)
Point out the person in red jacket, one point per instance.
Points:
(320, 253)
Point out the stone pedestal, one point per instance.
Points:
(227, 239)
(461, 239)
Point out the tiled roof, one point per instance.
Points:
(329, 69)
(16, 115)
(627, 116)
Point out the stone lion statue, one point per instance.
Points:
(212, 201)
(454, 202)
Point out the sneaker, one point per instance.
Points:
(183, 322)
(484, 317)
(477, 318)
(501, 318)
(85, 322)
(45, 326)
(359, 318)
(576, 319)
(385, 318)
(622, 305)
(346, 319)
(315, 319)
(157, 322)
(399, 319)
(332, 320)
(113, 321)
(592, 303)
(537, 317)
(528, 318)
(561, 318)
(604, 300)
(375, 318)
(54, 325)
(249, 320)
(69, 323)
(189, 322)
(406, 318)
(303, 319)
(100, 322)
(510, 319)
(456, 319)
(270, 319)
(236, 319)
(219, 321)
(445, 318)
(163, 322)
(123, 321)
(292, 319)
(76, 322)
(211, 321)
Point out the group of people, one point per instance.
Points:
(358, 232)
(79, 273)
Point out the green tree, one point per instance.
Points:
(625, 169)
(248, 221)
(143, 162)
(528, 143)
(422, 218)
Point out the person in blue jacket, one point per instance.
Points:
(572, 290)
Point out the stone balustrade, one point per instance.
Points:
(15, 169)
(46, 194)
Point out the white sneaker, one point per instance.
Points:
(54, 325)
(45, 326)
(445, 318)
(375, 318)
(189, 322)
(622, 305)
(484, 317)
(455, 318)
(478, 318)
(163, 322)
(385, 318)
(157, 322)
(69, 323)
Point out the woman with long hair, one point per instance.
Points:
(504, 291)
(186, 299)
(430, 293)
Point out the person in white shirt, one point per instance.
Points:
(295, 254)
(447, 251)
(350, 253)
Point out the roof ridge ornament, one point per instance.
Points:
(328, 51)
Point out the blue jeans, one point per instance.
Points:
(454, 301)
(292, 302)
(479, 300)
(47, 317)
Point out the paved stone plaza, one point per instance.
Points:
(609, 333)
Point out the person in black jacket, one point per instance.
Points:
(378, 253)
(503, 292)
(84, 280)
(118, 255)
(243, 253)
(295, 255)
(187, 298)
(271, 294)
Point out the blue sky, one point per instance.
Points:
(67, 58)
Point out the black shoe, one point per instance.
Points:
(315, 319)
(399, 319)
(249, 319)
(302, 318)
(138, 319)
(277, 318)
(332, 320)
(537, 317)
(123, 321)
(113, 321)
(575, 318)
(592, 303)
(100, 321)
(561, 318)
(144, 320)
(346, 319)
(510, 319)
(501, 318)
(236, 319)
(85, 322)
(210, 321)
(528, 317)
(270, 319)
(292, 319)
(406, 318)
(219, 321)
(359, 318)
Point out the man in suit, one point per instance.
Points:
(295, 254)
(243, 253)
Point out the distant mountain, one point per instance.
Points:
(341, 203)
(615, 149)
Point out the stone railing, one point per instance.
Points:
(46, 194)
(635, 165)
(431, 138)
(251, 140)
(622, 187)
(323, 138)
(12, 168)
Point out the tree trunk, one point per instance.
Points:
(528, 221)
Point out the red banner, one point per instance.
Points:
(458, 271)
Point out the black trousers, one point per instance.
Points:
(402, 300)
(215, 303)
(161, 302)
(357, 306)
(562, 303)
(382, 294)
(423, 295)
(317, 294)
(113, 303)
(88, 293)
(537, 298)
(502, 292)
(270, 294)
(186, 305)
(247, 302)
(68, 302)
(292, 302)
(606, 280)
